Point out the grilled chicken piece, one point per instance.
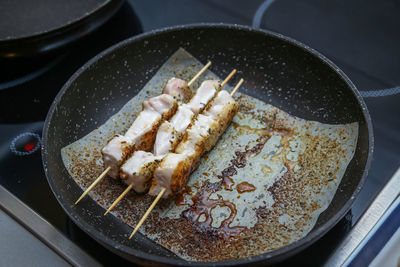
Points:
(168, 136)
(174, 129)
(174, 170)
(140, 166)
(178, 89)
(142, 133)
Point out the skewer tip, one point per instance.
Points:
(133, 233)
(98, 179)
(237, 86)
(119, 198)
(233, 72)
(199, 73)
(148, 212)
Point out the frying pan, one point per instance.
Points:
(29, 28)
(327, 95)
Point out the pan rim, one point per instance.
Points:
(273, 256)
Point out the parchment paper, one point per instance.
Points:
(262, 187)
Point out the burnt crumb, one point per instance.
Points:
(244, 212)
(261, 196)
(229, 171)
(240, 160)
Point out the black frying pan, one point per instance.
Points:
(28, 28)
(329, 97)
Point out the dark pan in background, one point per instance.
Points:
(29, 28)
(304, 83)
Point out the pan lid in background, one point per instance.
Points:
(30, 83)
(29, 28)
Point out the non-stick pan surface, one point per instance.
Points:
(304, 83)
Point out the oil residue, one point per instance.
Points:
(180, 198)
(226, 174)
(240, 159)
(200, 213)
(245, 187)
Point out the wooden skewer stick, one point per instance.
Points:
(222, 84)
(199, 73)
(227, 79)
(237, 87)
(119, 198)
(109, 168)
(163, 190)
(93, 184)
(147, 212)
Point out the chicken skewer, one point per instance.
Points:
(138, 170)
(174, 171)
(199, 139)
(142, 133)
(141, 164)
(139, 137)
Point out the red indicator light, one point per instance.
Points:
(25, 144)
(28, 147)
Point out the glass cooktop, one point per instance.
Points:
(362, 40)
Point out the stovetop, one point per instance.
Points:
(361, 38)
